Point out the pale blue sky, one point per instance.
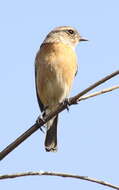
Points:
(88, 136)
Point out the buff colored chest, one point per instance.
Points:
(56, 67)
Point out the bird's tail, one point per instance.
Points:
(51, 135)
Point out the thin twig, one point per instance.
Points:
(98, 93)
(40, 173)
(60, 108)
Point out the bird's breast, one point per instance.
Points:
(56, 68)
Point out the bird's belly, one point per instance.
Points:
(54, 86)
(57, 90)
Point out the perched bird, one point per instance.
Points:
(55, 69)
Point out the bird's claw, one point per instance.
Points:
(40, 119)
(66, 103)
(42, 130)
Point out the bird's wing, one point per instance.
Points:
(38, 98)
(76, 70)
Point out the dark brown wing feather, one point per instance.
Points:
(38, 98)
(76, 70)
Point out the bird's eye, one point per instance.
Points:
(71, 31)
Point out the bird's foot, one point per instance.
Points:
(40, 119)
(66, 103)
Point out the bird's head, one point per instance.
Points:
(65, 34)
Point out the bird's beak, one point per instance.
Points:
(83, 39)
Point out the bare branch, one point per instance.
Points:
(59, 109)
(98, 93)
(40, 173)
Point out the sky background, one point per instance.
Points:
(88, 136)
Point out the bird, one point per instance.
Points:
(55, 69)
